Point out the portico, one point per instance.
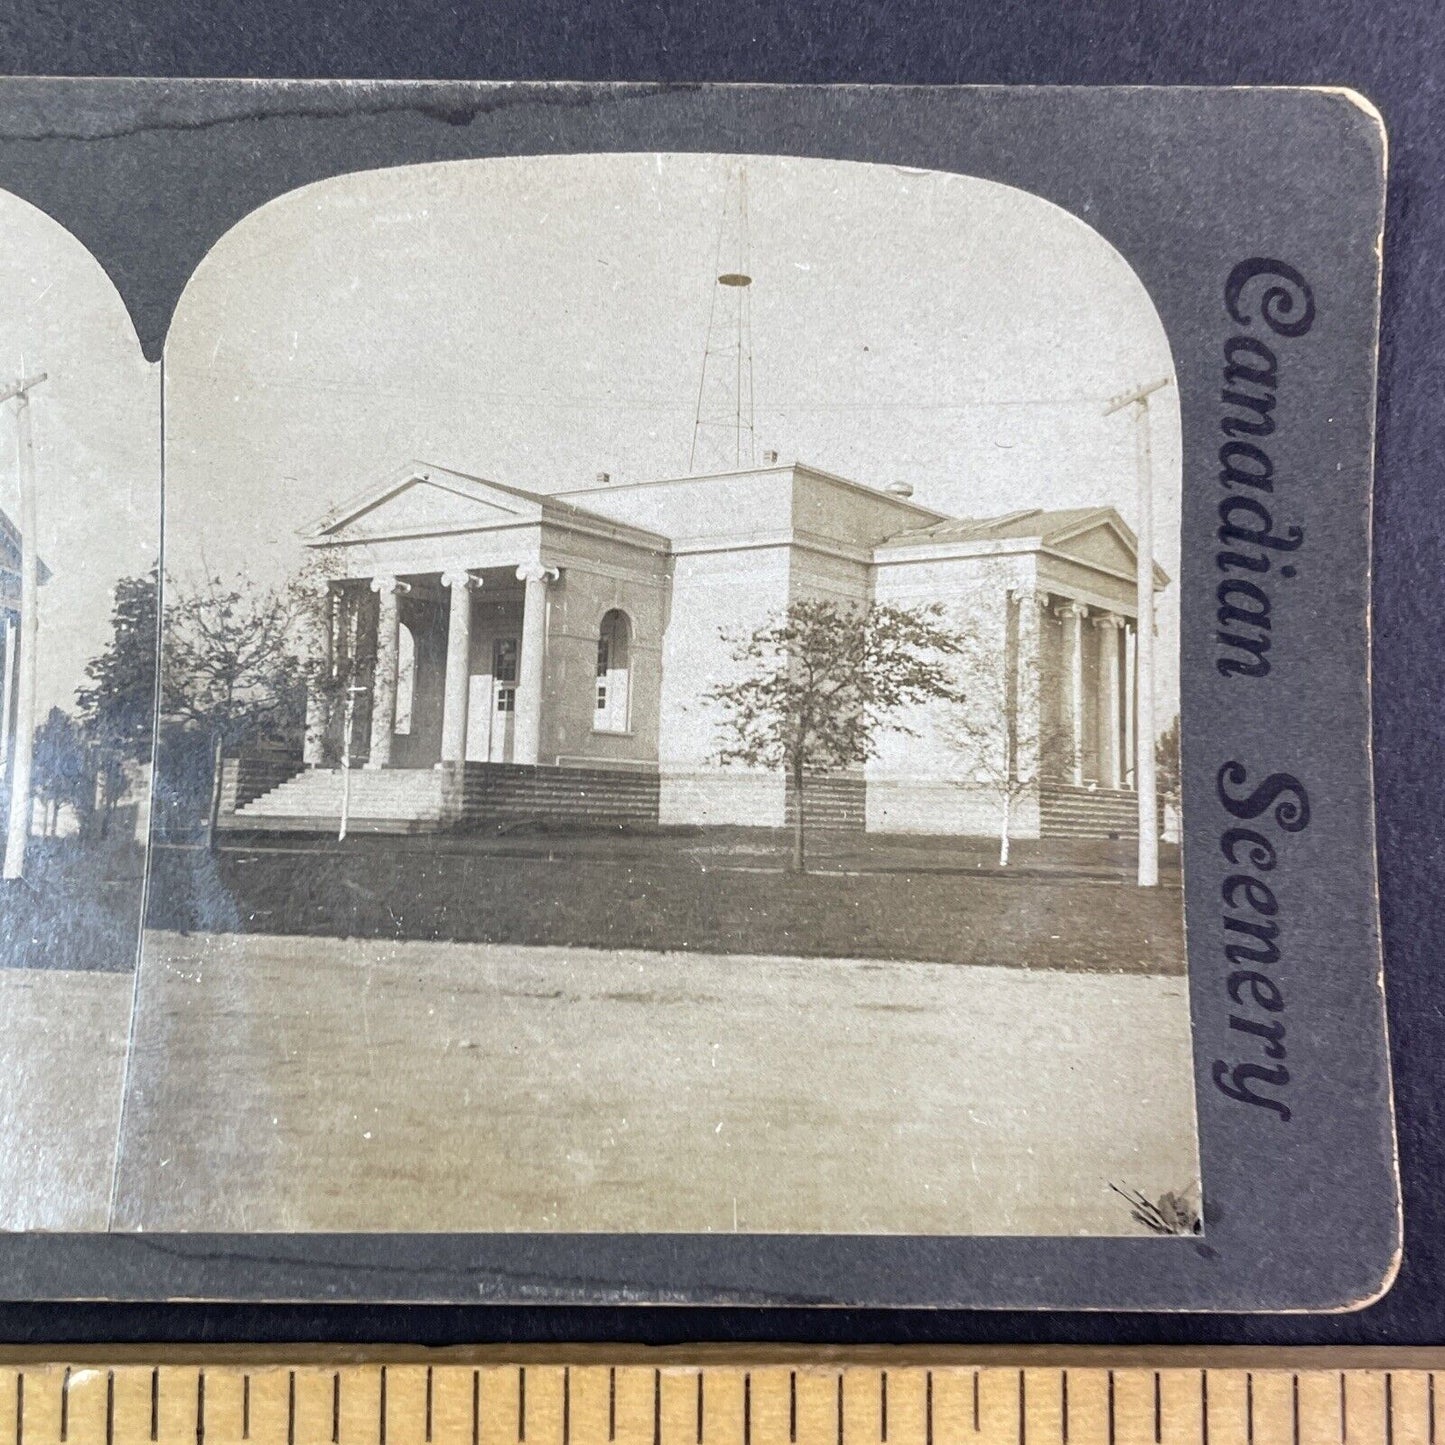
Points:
(456, 661)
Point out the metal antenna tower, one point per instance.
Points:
(722, 431)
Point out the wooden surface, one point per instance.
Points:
(712, 1397)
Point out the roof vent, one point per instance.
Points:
(899, 489)
(770, 459)
(603, 478)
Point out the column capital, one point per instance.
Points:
(1104, 620)
(460, 579)
(1026, 595)
(1071, 608)
(537, 572)
(385, 582)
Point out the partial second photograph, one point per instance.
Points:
(80, 497)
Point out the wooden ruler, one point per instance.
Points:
(1281, 1398)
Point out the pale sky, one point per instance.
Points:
(97, 441)
(540, 320)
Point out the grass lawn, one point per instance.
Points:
(919, 899)
(78, 906)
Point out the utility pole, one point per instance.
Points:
(18, 833)
(347, 638)
(1146, 783)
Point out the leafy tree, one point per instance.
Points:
(1166, 761)
(117, 706)
(821, 681)
(233, 661)
(63, 773)
(234, 668)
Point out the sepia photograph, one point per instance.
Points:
(668, 715)
(654, 706)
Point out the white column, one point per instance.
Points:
(531, 665)
(7, 695)
(1131, 695)
(383, 685)
(1110, 770)
(1028, 708)
(1073, 614)
(459, 666)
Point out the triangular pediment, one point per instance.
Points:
(1101, 540)
(423, 499)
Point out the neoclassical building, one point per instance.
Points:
(498, 655)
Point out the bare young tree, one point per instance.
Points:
(984, 730)
(822, 680)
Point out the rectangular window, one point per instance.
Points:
(504, 659)
(506, 699)
(602, 697)
(603, 661)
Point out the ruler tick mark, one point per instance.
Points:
(1158, 1410)
(428, 1403)
(1023, 1410)
(975, 1402)
(1204, 1407)
(1430, 1400)
(793, 1408)
(928, 1408)
(1064, 1405)
(477, 1406)
(883, 1405)
(200, 1407)
(1294, 1408)
(1111, 1407)
(747, 1409)
(335, 1407)
(699, 1407)
(566, 1405)
(657, 1407)
(291, 1407)
(611, 1403)
(65, 1404)
(1344, 1411)
(1389, 1408)
(110, 1407)
(381, 1408)
(156, 1405)
(521, 1402)
(20, 1408)
(245, 1409)
(1249, 1406)
(840, 1410)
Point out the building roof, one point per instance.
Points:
(1031, 525)
(901, 500)
(10, 559)
(1030, 522)
(486, 495)
(478, 498)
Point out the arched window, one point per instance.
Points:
(405, 677)
(614, 644)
